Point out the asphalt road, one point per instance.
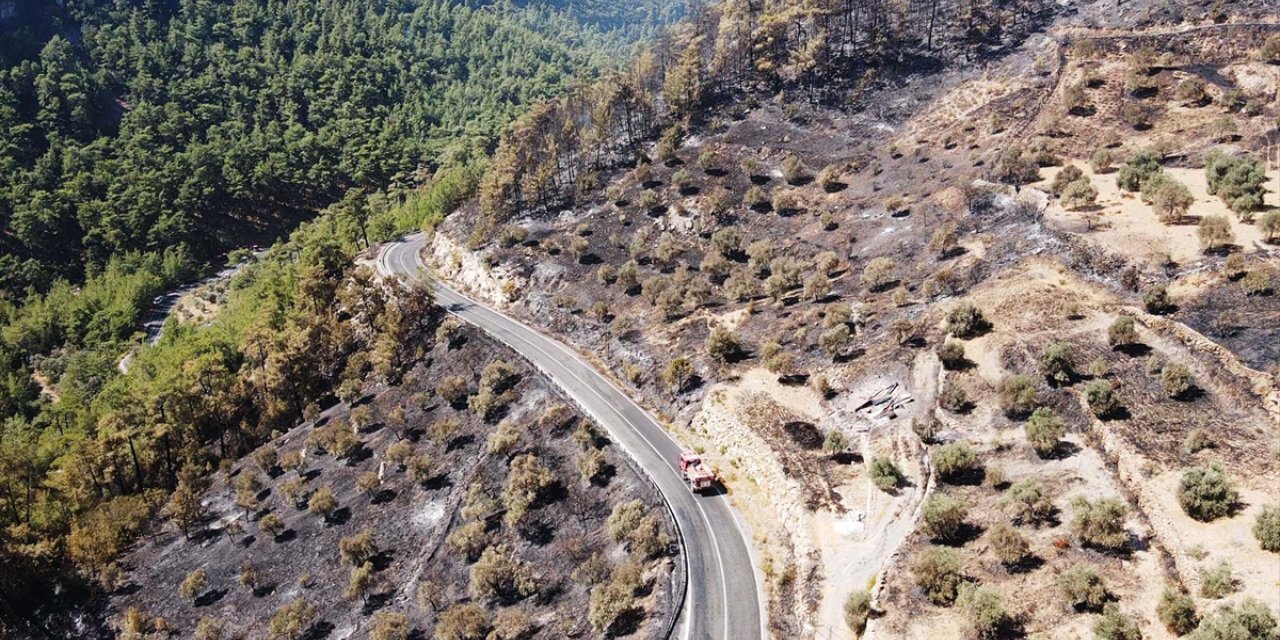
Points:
(723, 599)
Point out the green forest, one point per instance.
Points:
(170, 120)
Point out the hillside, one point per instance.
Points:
(759, 264)
(972, 304)
(143, 141)
(147, 143)
(493, 511)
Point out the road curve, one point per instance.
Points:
(723, 600)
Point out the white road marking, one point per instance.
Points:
(498, 319)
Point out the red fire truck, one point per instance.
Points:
(697, 474)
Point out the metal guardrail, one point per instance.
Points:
(681, 593)
(680, 590)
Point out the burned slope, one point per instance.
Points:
(469, 496)
(782, 254)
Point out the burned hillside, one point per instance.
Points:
(469, 496)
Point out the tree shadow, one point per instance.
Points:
(835, 187)
(338, 517)
(384, 496)
(287, 535)
(437, 482)
(1085, 607)
(1027, 566)
(963, 364)
(968, 478)
(537, 533)
(459, 443)
(204, 535)
(319, 631)
(262, 591)
(359, 455)
(846, 457)
(627, 622)
(1118, 413)
(849, 356)
(1133, 350)
(605, 476)
(885, 286)
(209, 597)
(1191, 394)
(383, 559)
(1065, 449)
(760, 181)
(694, 382)
(968, 532)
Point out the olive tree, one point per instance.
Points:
(1214, 231)
(1057, 363)
(1122, 332)
(194, 584)
(1010, 546)
(1100, 523)
(1044, 431)
(1101, 397)
(938, 573)
(953, 460)
(1267, 528)
(1218, 581)
(1177, 611)
(1176, 379)
(857, 608)
(944, 517)
(1248, 620)
(965, 321)
(885, 474)
(1206, 493)
(984, 611)
(1017, 395)
(1115, 625)
(1083, 588)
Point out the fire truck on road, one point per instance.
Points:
(697, 474)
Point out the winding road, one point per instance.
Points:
(723, 601)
